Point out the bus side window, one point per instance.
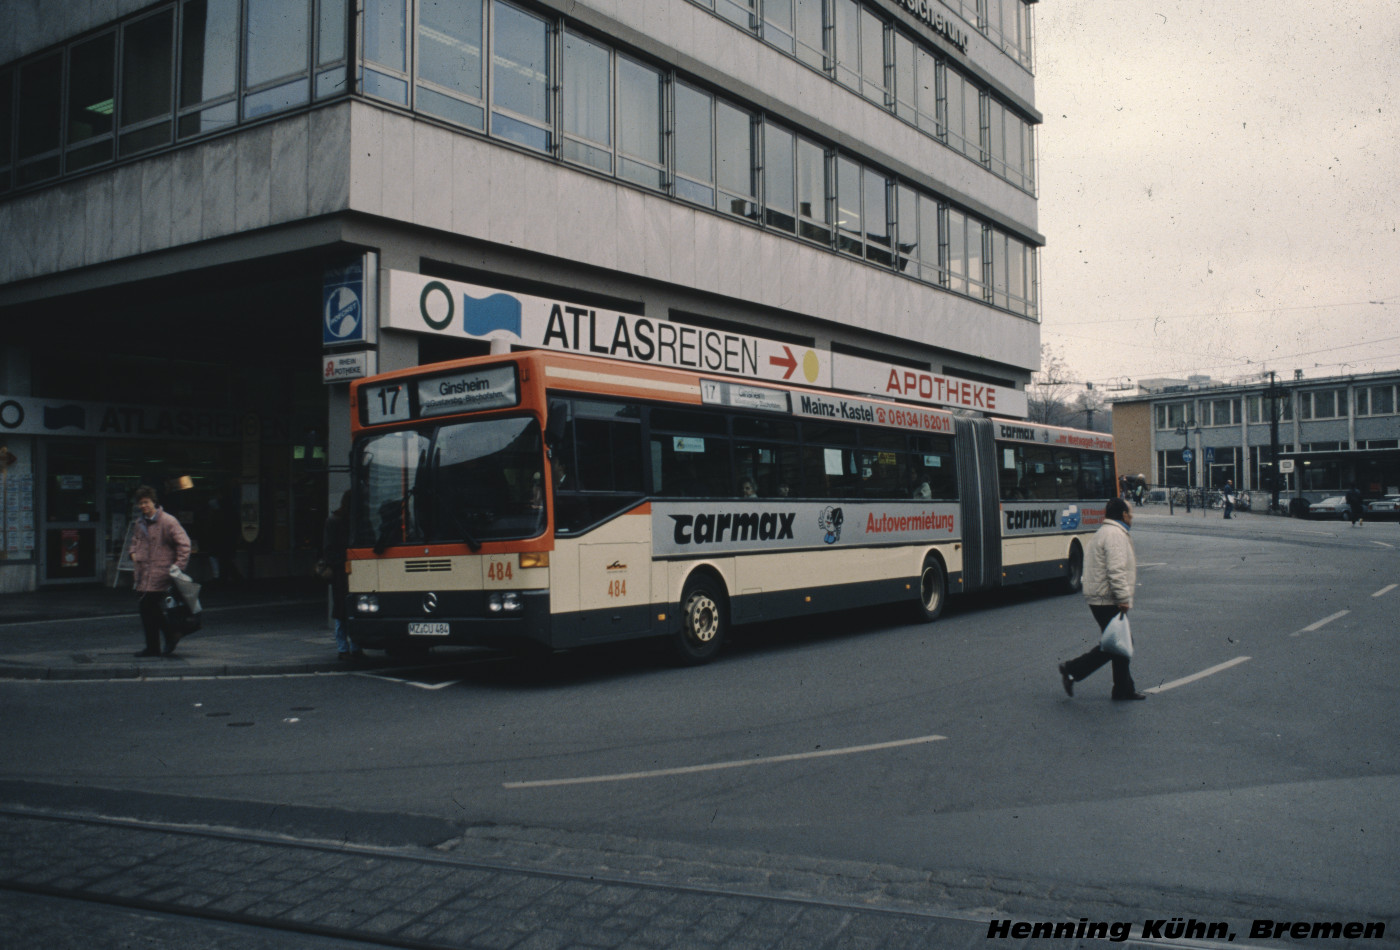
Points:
(1008, 466)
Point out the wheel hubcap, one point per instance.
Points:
(703, 615)
(929, 588)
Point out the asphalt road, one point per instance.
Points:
(1269, 782)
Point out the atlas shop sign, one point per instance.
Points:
(422, 304)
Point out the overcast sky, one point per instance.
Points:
(1220, 186)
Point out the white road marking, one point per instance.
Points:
(1321, 623)
(1153, 564)
(1196, 676)
(1385, 590)
(1383, 544)
(395, 679)
(716, 766)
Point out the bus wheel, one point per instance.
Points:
(933, 589)
(702, 621)
(1073, 581)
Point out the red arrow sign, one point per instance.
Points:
(789, 361)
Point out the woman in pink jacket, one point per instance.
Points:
(158, 543)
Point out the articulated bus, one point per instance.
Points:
(543, 500)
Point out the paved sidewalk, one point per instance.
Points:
(93, 632)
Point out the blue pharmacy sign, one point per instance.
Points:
(343, 305)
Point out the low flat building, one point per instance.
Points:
(1332, 433)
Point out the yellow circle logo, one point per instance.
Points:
(811, 366)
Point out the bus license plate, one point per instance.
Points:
(429, 629)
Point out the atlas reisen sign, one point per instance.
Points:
(423, 304)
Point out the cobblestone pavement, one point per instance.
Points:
(79, 882)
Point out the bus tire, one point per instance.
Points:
(703, 620)
(1073, 581)
(933, 589)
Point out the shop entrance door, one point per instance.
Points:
(70, 538)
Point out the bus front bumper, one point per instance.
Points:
(452, 618)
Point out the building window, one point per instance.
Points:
(926, 92)
(1375, 401)
(778, 25)
(1322, 404)
(1257, 409)
(1171, 415)
(209, 66)
(330, 44)
(520, 93)
(734, 161)
(876, 215)
(1010, 146)
(963, 264)
(7, 118)
(277, 53)
(779, 179)
(961, 113)
(907, 246)
(742, 13)
(146, 105)
(848, 221)
(846, 43)
(641, 148)
(812, 33)
(874, 85)
(694, 145)
(450, 75)
(385, 24)
(1012, 274)
(1221, 412)
(813, 209)
(91, 99)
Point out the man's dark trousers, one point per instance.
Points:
(1081, 666)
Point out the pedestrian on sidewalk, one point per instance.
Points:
(334, 542)
(1228, 493)
(1357, 506)
(1110, 575)
(158, 543)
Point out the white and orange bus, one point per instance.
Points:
(551, 500)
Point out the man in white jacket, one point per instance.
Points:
(1110, 575)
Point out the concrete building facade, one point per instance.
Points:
(205, 204)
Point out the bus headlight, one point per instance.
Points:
(367, 604)
(508, 603)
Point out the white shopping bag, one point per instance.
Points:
(1117, 637)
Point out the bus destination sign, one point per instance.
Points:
(492, 388)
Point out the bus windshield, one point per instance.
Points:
(464, 482)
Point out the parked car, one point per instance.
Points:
(1387, 507)
(1334, 507)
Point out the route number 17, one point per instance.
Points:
(387, 404)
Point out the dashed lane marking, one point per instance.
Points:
(717, 766)
(1383, 544)
(1385, 590)
(1321, 623)
(1196, 676)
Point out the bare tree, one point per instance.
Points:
(1048, 395)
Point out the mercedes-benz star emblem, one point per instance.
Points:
(430, 603)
